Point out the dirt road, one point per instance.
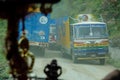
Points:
(82, 71)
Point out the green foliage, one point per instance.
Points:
(111, 9)
(72, 8)
(3, 27)
(3, 62)
(113, 62)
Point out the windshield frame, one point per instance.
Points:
(76, 28)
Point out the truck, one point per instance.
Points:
(37, 28)
(83, 38)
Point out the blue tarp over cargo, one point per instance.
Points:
(36, 27)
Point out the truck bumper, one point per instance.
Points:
(91, 58)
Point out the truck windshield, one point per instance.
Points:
(91, 31)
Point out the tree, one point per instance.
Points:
(111, 9)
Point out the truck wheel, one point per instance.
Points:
(74, 59)
(102, 61)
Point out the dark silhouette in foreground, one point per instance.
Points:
(114, 75)
(53, 71)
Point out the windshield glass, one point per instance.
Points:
(91, 31)
(58, 44)
(99, 31)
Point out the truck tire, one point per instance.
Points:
(102, 61)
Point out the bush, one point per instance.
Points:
(115, 63)
(115, 42)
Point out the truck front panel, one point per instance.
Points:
(90, 39)
(90, 47)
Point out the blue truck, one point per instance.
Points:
(37, 28)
